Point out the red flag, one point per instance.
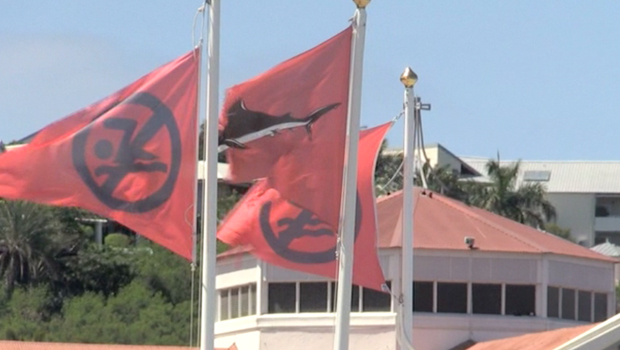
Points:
(286, 234)
(130, 157)
(302, 103)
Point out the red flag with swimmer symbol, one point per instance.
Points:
(130, 157)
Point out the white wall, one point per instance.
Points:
(244, 341)
(430, 332)
(569, 273)
(367, 338)
(575, 211)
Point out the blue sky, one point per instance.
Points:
(532, 79)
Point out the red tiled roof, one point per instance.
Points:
(548, 340)
(22, 345)
(235, 251)
(442, 223)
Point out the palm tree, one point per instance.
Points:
(443, 180)
(525, 203)
(27, 234)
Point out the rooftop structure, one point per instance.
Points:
(477, 276)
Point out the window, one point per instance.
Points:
(487, 299)
(313, 297)
(234, 303)
(355, 297)
(568, 304)
(376, 301)
(237, 302)
(520, 300)
(252, 299)
(452, 297)
(245, 301)
(281, 298)
(224, 303)
(584, 300)
(301, 297)
(553, 302)
(423, 296)
(600, 307)
(536, 175)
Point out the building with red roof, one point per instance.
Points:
(477, 277)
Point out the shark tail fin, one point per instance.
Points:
(314, 116)
(232, 143)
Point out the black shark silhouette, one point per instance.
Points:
(245, 125)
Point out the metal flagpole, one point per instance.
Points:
(209, 204)
(408, 78)
(349, 188)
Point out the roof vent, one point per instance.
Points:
(536, 175)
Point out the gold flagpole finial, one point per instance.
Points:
(361, 4)
(409, 78)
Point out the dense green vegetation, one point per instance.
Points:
(58, 285)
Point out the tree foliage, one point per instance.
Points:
(525, 203)
(29, 237)
(502, 195)
(138, 293)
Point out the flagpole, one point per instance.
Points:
(209, 204)
(408, 78)
(349, 188)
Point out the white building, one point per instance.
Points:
(513, 280)
(586, 195)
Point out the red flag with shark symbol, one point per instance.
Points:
(130, 157)
(283, 233)
(301, 104)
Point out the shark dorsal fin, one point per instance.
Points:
(237, 106)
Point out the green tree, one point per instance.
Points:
(29, 234)
(117, 240)
(440, 179)
(443, 180)
(24, 316)
(136, 315)
(525, 203)
(164, 272)
(388, 171)
(104, 270)
(561, 232)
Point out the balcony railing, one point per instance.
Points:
(607, 224)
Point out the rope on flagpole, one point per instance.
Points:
(196, 44)
(419, 145)
(400, 331)
(400, 167)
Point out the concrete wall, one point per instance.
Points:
(367, 338)
(430, 331)
(576, 212)
(441, 332)
(243, 340)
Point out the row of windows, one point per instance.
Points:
(237, 302)
(438, 297)
(490, 299)
(298, 297)
(571, 304)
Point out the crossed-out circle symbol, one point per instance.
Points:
(301, 257)
(161, 117)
